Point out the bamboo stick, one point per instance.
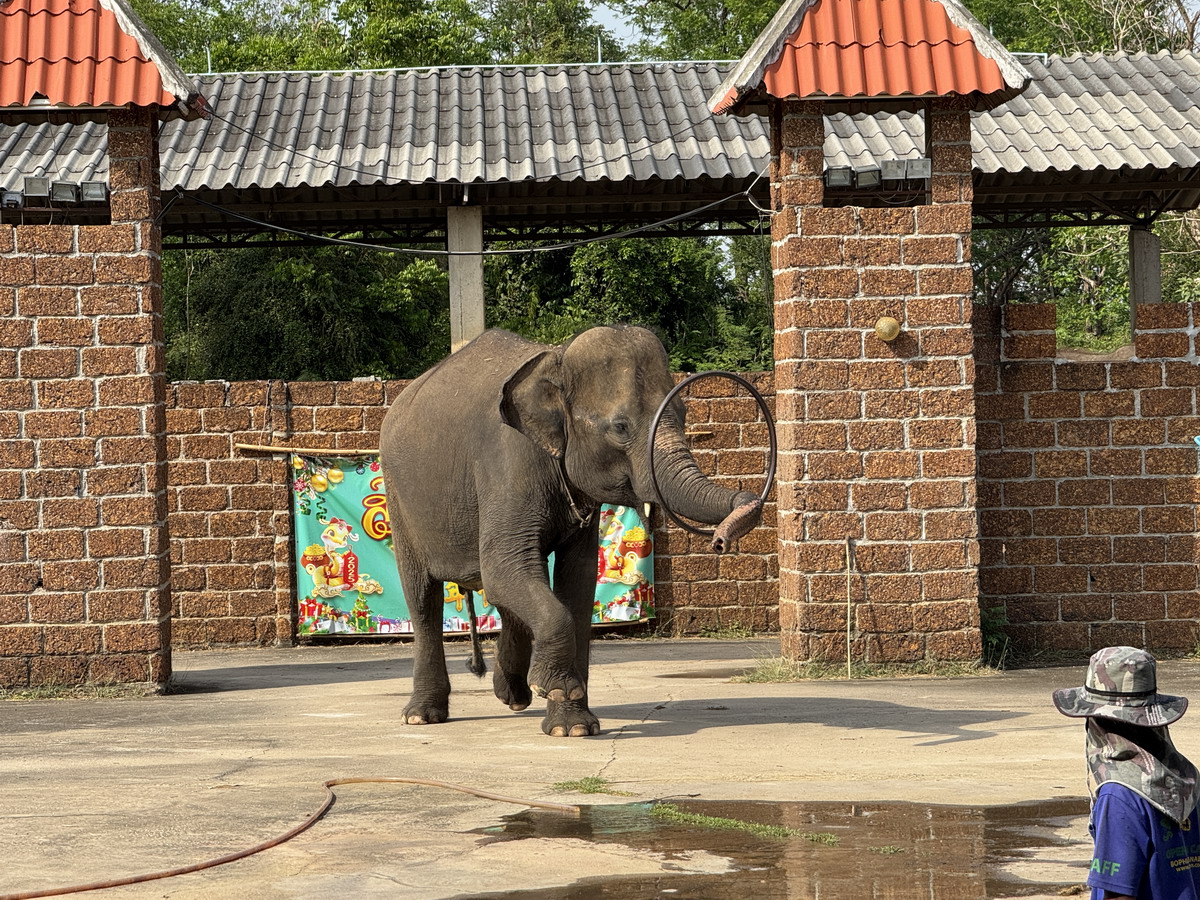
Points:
(304, 451)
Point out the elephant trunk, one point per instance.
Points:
(737, 523)
(687, 492)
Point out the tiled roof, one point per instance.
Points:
(84, 53)
(871, 49)
(592, 131)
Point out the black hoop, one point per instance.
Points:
(771, 458)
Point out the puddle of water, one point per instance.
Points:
(891, 851)
(719, 674)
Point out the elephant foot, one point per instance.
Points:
(570, 720)
(557, 686)
(421, 712)
(511, 690)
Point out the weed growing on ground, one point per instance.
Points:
(887, 849)
(672, 813)
(82, 692)
(592, 784)
(777, 669)
(992, 622)
(727, 632)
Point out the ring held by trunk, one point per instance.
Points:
(771, 456)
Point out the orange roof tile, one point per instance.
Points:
(872, 49)
(86, 53)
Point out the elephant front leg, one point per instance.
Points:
(575, 584)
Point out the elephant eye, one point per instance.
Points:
(620, 428)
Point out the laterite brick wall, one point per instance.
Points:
(83, 547)
(1087, 483)
(230, 518)
(879, 437)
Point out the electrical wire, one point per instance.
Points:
(416, 251)
(330, 797)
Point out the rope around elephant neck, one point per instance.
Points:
(330, 797)
(580, 519)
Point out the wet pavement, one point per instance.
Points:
(902, 851)
(937, 769)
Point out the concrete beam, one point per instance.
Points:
(464, 233)
(1145, 266)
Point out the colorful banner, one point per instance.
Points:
(346, 578)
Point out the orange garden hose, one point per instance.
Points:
(330, 797)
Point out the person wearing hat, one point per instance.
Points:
(1143, 822)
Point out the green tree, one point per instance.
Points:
(248, 35)
(548, 31)
(697, 29)
(326, 313)
(415, 33)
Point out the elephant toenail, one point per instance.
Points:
(558, 731)
(579, 731)
(577, 693)
(517, 707)
(557, 696)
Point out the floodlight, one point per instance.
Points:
(11, 199)
(838, 176)
(919, 169)
(867, 176)
(64, 192)
(37, 189)
(893, 169)
(94, 192)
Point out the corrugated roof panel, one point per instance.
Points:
(871, 49)
(81, 53)
(616, 122)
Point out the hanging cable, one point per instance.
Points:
(569, 245)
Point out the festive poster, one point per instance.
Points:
(346, 575)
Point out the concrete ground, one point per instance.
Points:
(97, 789)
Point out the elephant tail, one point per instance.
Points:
(475, 665)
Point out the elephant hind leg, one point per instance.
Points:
(514, 649)
(430, 700)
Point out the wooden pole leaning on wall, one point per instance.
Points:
(849, 610)
(303, 451)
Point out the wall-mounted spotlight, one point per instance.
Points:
(839, 177)
(918, 169)
(93, 192)
(37, 191)
(11, 199)
(867, 176)
(893, 169)
(64, 192)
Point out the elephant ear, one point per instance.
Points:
(532, 402)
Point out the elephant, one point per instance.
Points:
(502, 454)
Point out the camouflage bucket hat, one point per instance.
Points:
(1121, 684)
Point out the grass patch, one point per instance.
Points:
(592, 784)
(992, 624)
(83, 692)
(728, 632)
(672, 813)
(887, 850)
(776, 669)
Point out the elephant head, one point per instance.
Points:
(590, 403)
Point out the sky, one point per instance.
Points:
(615, 23)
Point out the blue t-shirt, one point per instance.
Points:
(1141, 852)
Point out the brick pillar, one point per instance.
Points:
(877, 439)
(84, 594)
